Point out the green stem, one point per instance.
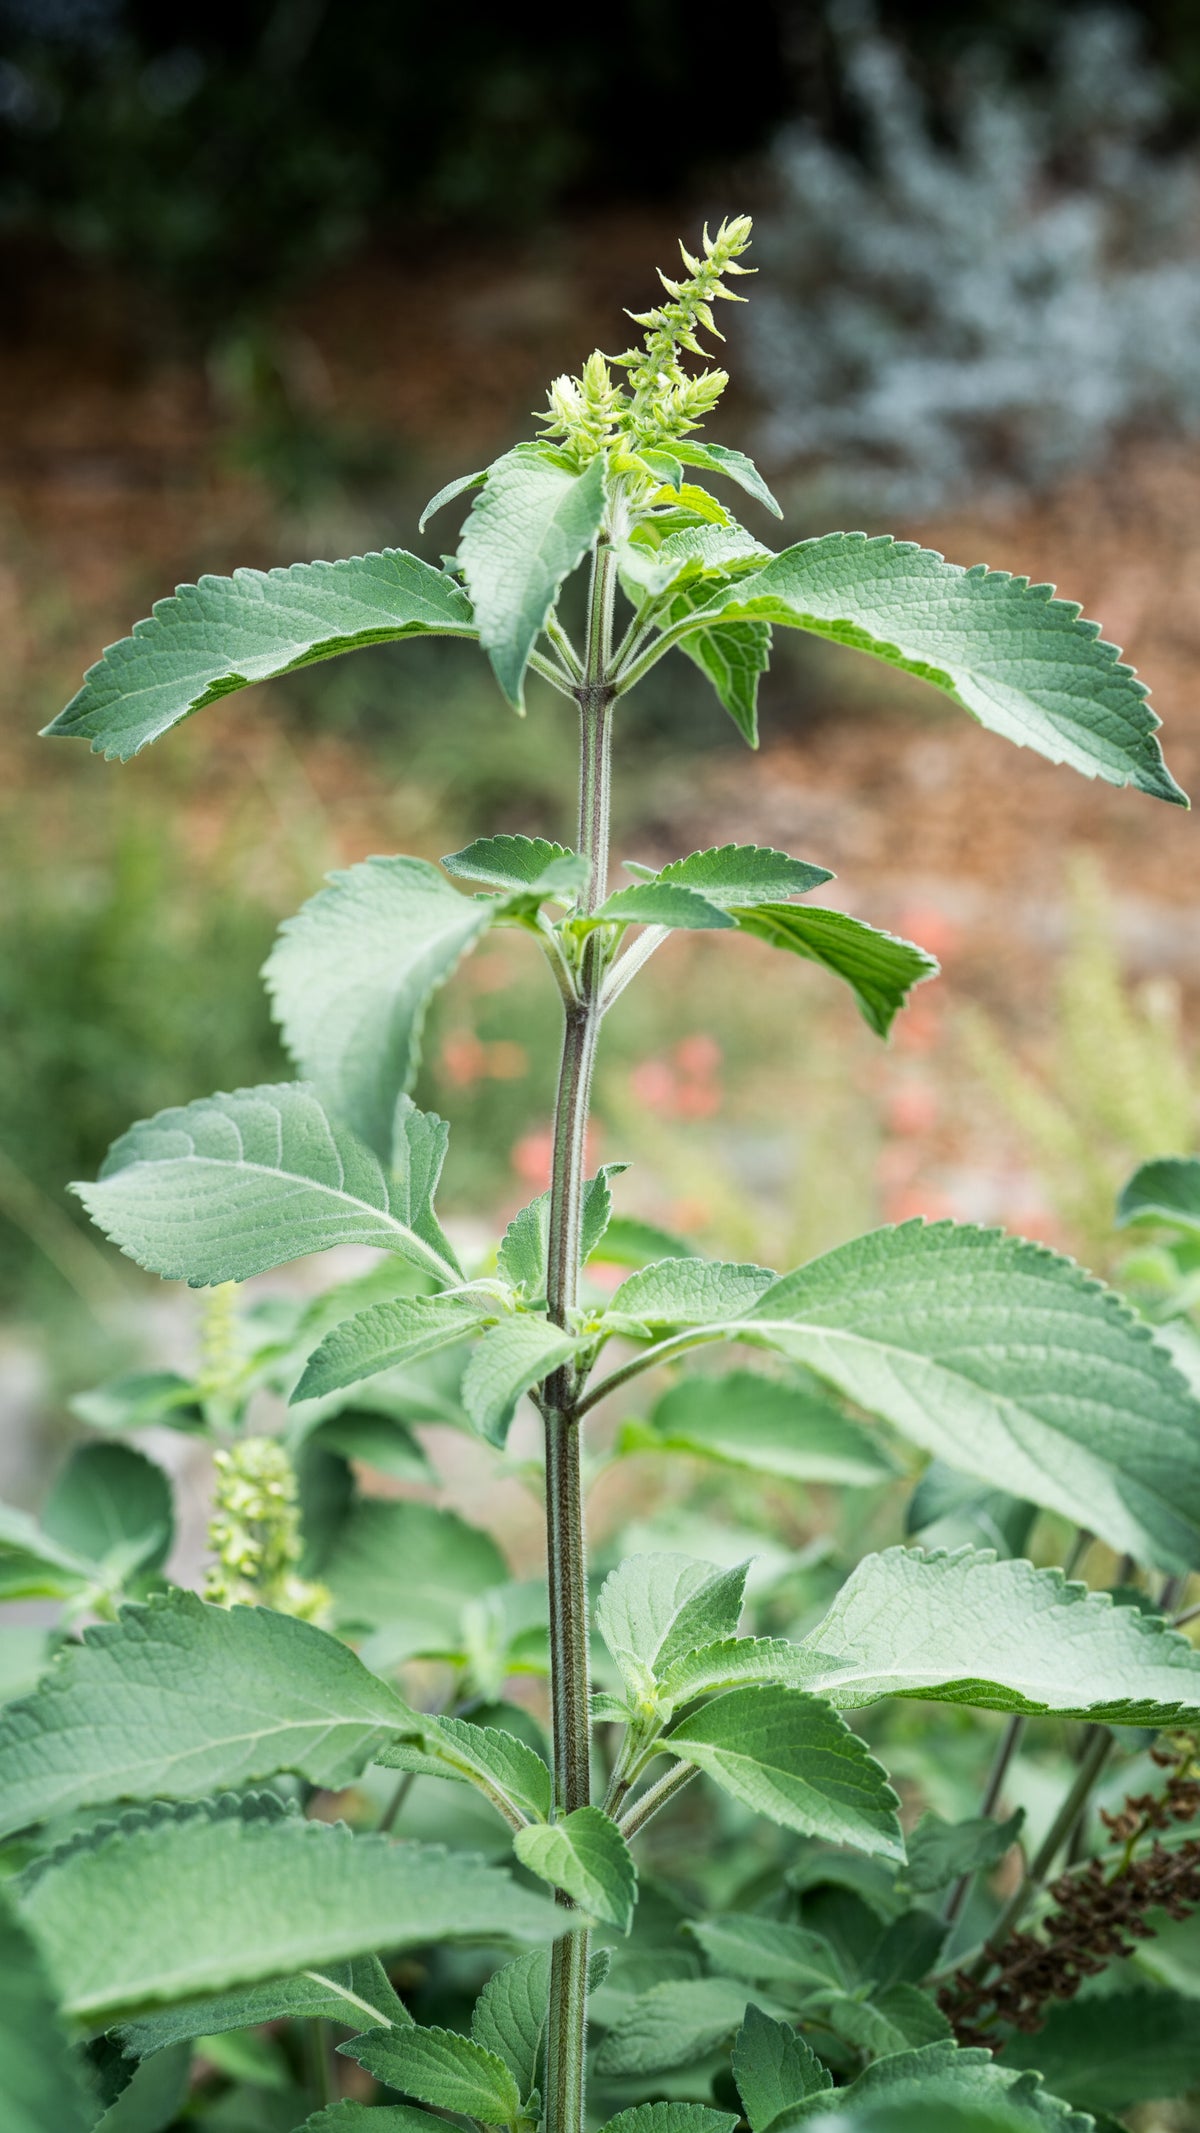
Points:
(566, 2039)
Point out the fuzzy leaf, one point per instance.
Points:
(511, 1358)
(966, 1628)
(173, 1903)
(532, 864)
(499, 1764)
(410, 1565)
(584, 1854)
(111, 1503)
(733, 656)
(939, 1852)
(673, 2024)
(731, 1663)
(735, 466)
(521, 1258)
(1166, 1190)
(356, 1994)
(231, 1186)
(510, 2016)
(686, 558)
(944, 2074)
(225, 633)
(446, 495)
(654, 1609)
(1022, 662)
(774, 2069)
(630, 1242)
(664, 903)
(730, 874)
(399, 1330)
(766, 1950)
(771, 1426)
(347, 2117)
(526, 533)
(880, 968)
(181, 1698)
(351, 978)
(1013, 1365)
(787, 1755)
(685, 1292)
(1105, 2054)
(41, 2080)
(438, 2066)
(671, 2118)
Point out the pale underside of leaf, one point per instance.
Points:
(232, 1185)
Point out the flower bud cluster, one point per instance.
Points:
(661, 402)
(254, 1532)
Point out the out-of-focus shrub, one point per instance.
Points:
(951, 311)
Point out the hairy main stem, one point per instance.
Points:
(566, 2040)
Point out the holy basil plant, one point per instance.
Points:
(186, 1903)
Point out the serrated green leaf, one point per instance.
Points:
(1019, 660)
(789, 1756)
(231, 1186)
(736, 466)
(533, 864)
(1166, 1190)
(138, 1398)
(671, 2118)
(174, 1903)
(526, 533)
(371, 2118)
(438, 2066)
(400, 1330)
(112, 1503)
(1128, 2046)
(945, 2075)
(412, 1567)
(966, 1628)
(655, 903)
(733, 656)
(880, 968)
(939, 1852)
(1013, 1365)
(729, 874)
(511, 1358)
(357, 1994)
(226, 633)
(521, 1258)
(446, 495)
(584, 1854)
(730, 1663)
(506, 1769)
(180, 1698)
(679, 2021)
(509, 2018)
(688, 557)
(351, 977)
(766, 1950)
(629, 1241)
(35, 1567)
(771, 1426)
(40, 2076)
(654, 1609)
(774, 2069)
(685, 1292)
